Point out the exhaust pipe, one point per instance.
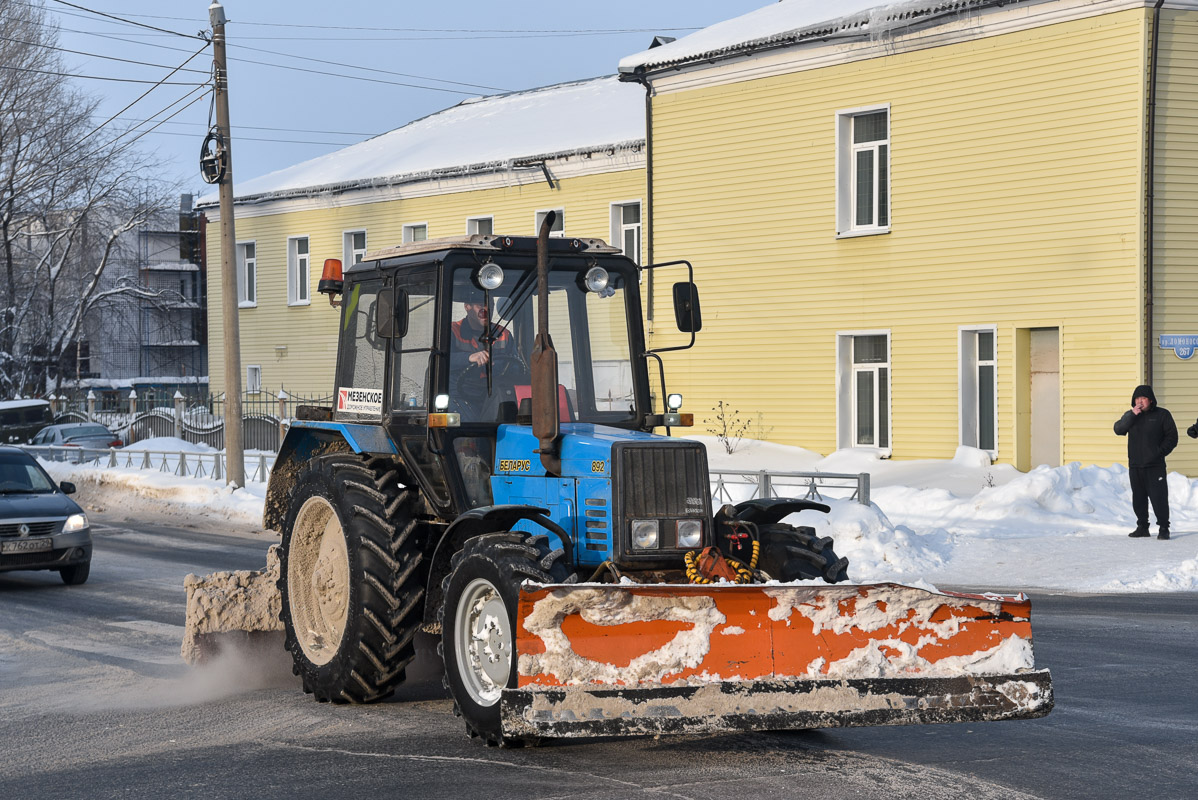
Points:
(545, 421)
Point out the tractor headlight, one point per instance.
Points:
(689, 533)
(490, 276)
(644, 534)
(596, 279)
(74, 523)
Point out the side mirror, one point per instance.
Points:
(686, 308)
(67, 487)
(391, 313)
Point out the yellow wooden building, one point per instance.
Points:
(931, 224)
(493, 164)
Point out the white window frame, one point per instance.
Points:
(540, 215)
(846, 388)
(348, 252)
(969, 426)
(253, 379)
(299, 272)
(618, 228)
(247, 281)
(846, 167)
(472, 223)
(409, 232)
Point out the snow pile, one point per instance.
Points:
(1182, 578)
(169, 444)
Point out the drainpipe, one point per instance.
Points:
(1150, 190)
(639, 77)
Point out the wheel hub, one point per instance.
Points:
(318, 579)
(484, 642)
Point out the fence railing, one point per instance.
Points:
(735, 486)
(727, 486)
(188, 465)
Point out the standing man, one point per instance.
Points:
(1151, 435)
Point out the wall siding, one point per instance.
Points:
(310, 332)
(1016, 165)
(1175, 268)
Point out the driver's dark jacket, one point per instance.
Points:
(1151, 435)
(465, 342)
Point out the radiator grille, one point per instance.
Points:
(38, 528)
(663, 480)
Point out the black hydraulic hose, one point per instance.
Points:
(560, 532)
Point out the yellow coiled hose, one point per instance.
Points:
(743, 574)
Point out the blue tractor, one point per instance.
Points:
(466, 454)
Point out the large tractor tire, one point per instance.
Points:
(351, 592)
(478, 622)
(791, 553)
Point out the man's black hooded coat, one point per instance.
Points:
(1151, 435)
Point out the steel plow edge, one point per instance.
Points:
(575, 711)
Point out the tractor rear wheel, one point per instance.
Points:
(478, 622)
(790, 553)
(351, 593)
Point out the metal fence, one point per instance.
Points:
(198, 419)
(727, 486)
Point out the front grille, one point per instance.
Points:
(663, 480)
(44, 527)
(10, 560)
(595, 523)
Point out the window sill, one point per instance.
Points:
(300, 303)
(244, 304)
(863, 232)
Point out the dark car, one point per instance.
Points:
(20, 419)
(77, 434)
(40, 527)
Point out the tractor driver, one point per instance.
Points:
(471, 359)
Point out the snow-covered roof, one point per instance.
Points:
(792, 21)
(480, 134)
(5, 405)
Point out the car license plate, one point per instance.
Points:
(26, 545)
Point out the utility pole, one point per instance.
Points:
(234, 451)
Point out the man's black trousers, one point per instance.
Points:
(1149, 484)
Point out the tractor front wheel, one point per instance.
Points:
(351, 598)
(478, 622)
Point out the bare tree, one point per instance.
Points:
(69, 193)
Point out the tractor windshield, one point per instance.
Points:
(491, 341)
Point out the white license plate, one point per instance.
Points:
(26, 546)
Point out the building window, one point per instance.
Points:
(481, 226)
(864, 390)
(626, 229)
(247, 274)
(415, 233)
(863, 171)
(353, 243)
(979, 423)
(298, 273)
(253, 379)
(559, 224)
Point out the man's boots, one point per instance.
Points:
(1164, 534)
(1140, 532)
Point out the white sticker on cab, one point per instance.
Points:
(360, 401)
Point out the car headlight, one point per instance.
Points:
(689, 533)
(75, 522)
(644, 534)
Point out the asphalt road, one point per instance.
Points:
(95, 703)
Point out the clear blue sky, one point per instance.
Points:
(501, 46)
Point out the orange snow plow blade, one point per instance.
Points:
(599, 660)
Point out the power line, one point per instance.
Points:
(97, 77)
(96, 55)
(146, 92)
(302, 58)
(257, 138)
(129, 21)
(262, 128)
(130, 143)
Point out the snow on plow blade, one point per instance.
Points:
(643, 659)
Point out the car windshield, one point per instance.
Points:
(20, 474)
(492, 339)
(85, 431)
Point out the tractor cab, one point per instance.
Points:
(437, 344)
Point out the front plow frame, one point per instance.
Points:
(597, 660)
